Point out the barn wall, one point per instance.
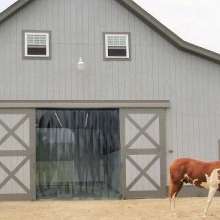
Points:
(157, 70)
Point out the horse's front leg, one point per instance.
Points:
(212, 191)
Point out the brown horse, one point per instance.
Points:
(198, 173)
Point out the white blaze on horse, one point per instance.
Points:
(198, 173)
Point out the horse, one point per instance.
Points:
(198, 173)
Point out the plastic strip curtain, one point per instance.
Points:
(78, 154)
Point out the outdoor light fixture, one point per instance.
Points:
(81, 65)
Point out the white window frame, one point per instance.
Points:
(127, 46)
(47, 44)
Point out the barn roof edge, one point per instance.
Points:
(146, 18)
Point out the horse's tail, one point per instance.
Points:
(175, 182)
(170, 187)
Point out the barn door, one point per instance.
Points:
(17, 154)
(143, 153)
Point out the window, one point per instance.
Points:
(116, 46)
(36, 45)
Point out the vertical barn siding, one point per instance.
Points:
(157, 70)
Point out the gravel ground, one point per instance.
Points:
(187, 208)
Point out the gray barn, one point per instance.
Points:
(111, 129)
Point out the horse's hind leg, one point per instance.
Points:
(175, 187)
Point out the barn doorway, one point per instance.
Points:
(78, 154)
